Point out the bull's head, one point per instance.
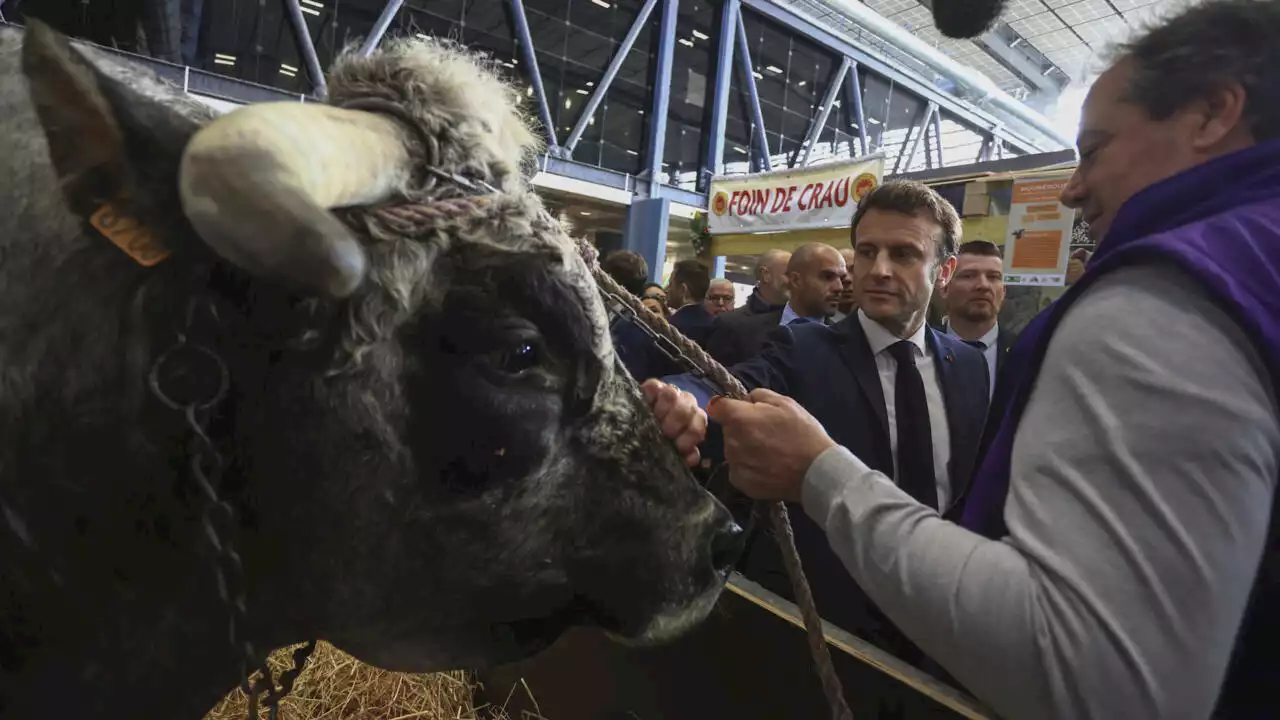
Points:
(433, 441)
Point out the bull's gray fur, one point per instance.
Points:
(403, 495)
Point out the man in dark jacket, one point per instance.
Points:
(738, 335)
(973, 298)
(637, 352)
(686, 290)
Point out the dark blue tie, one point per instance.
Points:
(915, 436)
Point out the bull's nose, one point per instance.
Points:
(727, 543)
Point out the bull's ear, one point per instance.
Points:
(108, 142)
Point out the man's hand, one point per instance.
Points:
(679, 417)
(769, 443)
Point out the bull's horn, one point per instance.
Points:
(256, 184)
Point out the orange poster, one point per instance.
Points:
(1035, 249)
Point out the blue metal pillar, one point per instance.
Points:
(380, 28)
(749, 77)
(662, 92)
(711, 165)
(717, 268)
(646, 232)
(610, 73)
(535, 75)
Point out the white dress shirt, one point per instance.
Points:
(880, 339)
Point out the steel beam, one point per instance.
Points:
(984, 152)
(593, 103)
(997, 43)
(853, 90)
(757, 117)
(937, 135)
(1057, 158)
(841, 45)
(915, 144)
(306, 47)
(714, 160)
(824, 110)
(662, 89)
(380, 28)
(525, 39)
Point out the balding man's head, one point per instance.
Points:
(816, 276)
(719, 297)
(848, 294)
(771, 276)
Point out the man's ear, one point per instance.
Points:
(945, 269)
(108, 142)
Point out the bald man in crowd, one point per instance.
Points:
(849, 295)
(815, 278)
(738, 335)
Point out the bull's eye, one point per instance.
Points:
(518, 358)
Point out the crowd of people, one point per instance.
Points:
(1075, 523)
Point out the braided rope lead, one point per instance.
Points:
(818, 649)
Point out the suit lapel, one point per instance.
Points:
(856, 352)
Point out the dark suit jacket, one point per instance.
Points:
(637, 352)
(694, 322)
(831, 372)
(738, 335)
(1004, 342)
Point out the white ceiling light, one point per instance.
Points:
(602, 3)
(309, 11)
(700, 35)
(686, 42)
(313, 3)
(774, 69)
(580, 91)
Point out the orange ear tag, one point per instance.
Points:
(129, 234)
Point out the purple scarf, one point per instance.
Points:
(1220, 223)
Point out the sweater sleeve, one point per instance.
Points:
(1143, 475)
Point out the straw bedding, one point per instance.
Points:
(336, 686)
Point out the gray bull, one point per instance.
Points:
(434, 456)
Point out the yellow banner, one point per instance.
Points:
(814, 198)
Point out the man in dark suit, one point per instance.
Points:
(637, 352)
(910, 399)
(973, 298)
(686, 291)
(738, 335)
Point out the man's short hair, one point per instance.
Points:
(1197, 51)
(985, 248)
(694, 275)
(912, 198)
(628, 268)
